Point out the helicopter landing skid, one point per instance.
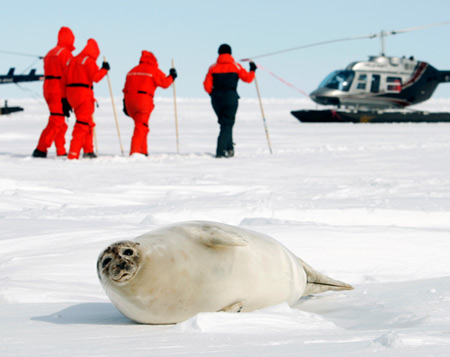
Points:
(334, 116)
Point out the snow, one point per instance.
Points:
(368, 204)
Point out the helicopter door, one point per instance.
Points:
(375, 86)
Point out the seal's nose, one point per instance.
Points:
(121, 265)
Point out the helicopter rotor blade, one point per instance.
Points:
(309, 45)
(21, 54)
(374, 35)
(418, 28)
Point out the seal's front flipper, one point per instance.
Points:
(236, 307)
(214, 236)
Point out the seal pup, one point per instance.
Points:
(171, 274)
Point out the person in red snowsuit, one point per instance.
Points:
(221, 84)
(140, 85)
(82, 72)
(55, 94)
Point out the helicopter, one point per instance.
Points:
(369, 91)
(11, 77)
(380, 83)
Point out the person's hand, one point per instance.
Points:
(106, 66)
(252, 66)
(173, 73)
(66, 107)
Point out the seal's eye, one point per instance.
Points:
(106, 262)
(128, 252)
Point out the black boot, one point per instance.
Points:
(229, 153)
(89, 155)
(39, 153)
(220, 153)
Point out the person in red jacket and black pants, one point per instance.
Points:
(82, 72)
(55, 95)
(140, 85)
(221, 83)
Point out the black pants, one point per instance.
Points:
(225, 105)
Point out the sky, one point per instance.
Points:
(190, 32)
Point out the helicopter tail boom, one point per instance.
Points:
(10, 77)
(444, 76)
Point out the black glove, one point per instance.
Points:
(252, 66)
(66, 107)
(173, 73)
(106, 66)
(125, 108)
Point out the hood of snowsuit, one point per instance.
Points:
(66, 38)
(91, 49)
(148, 58)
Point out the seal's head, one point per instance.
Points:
(119, 263)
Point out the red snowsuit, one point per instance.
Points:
(140, 86)
(54, 90)
(221, 83)
(81, 74)
(221, 76)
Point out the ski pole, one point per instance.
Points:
(114, 110)
(263, 116)
(175, 108)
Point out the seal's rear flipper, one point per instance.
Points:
(318, 282)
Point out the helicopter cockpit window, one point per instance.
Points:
(394, 84)
(340, 80)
